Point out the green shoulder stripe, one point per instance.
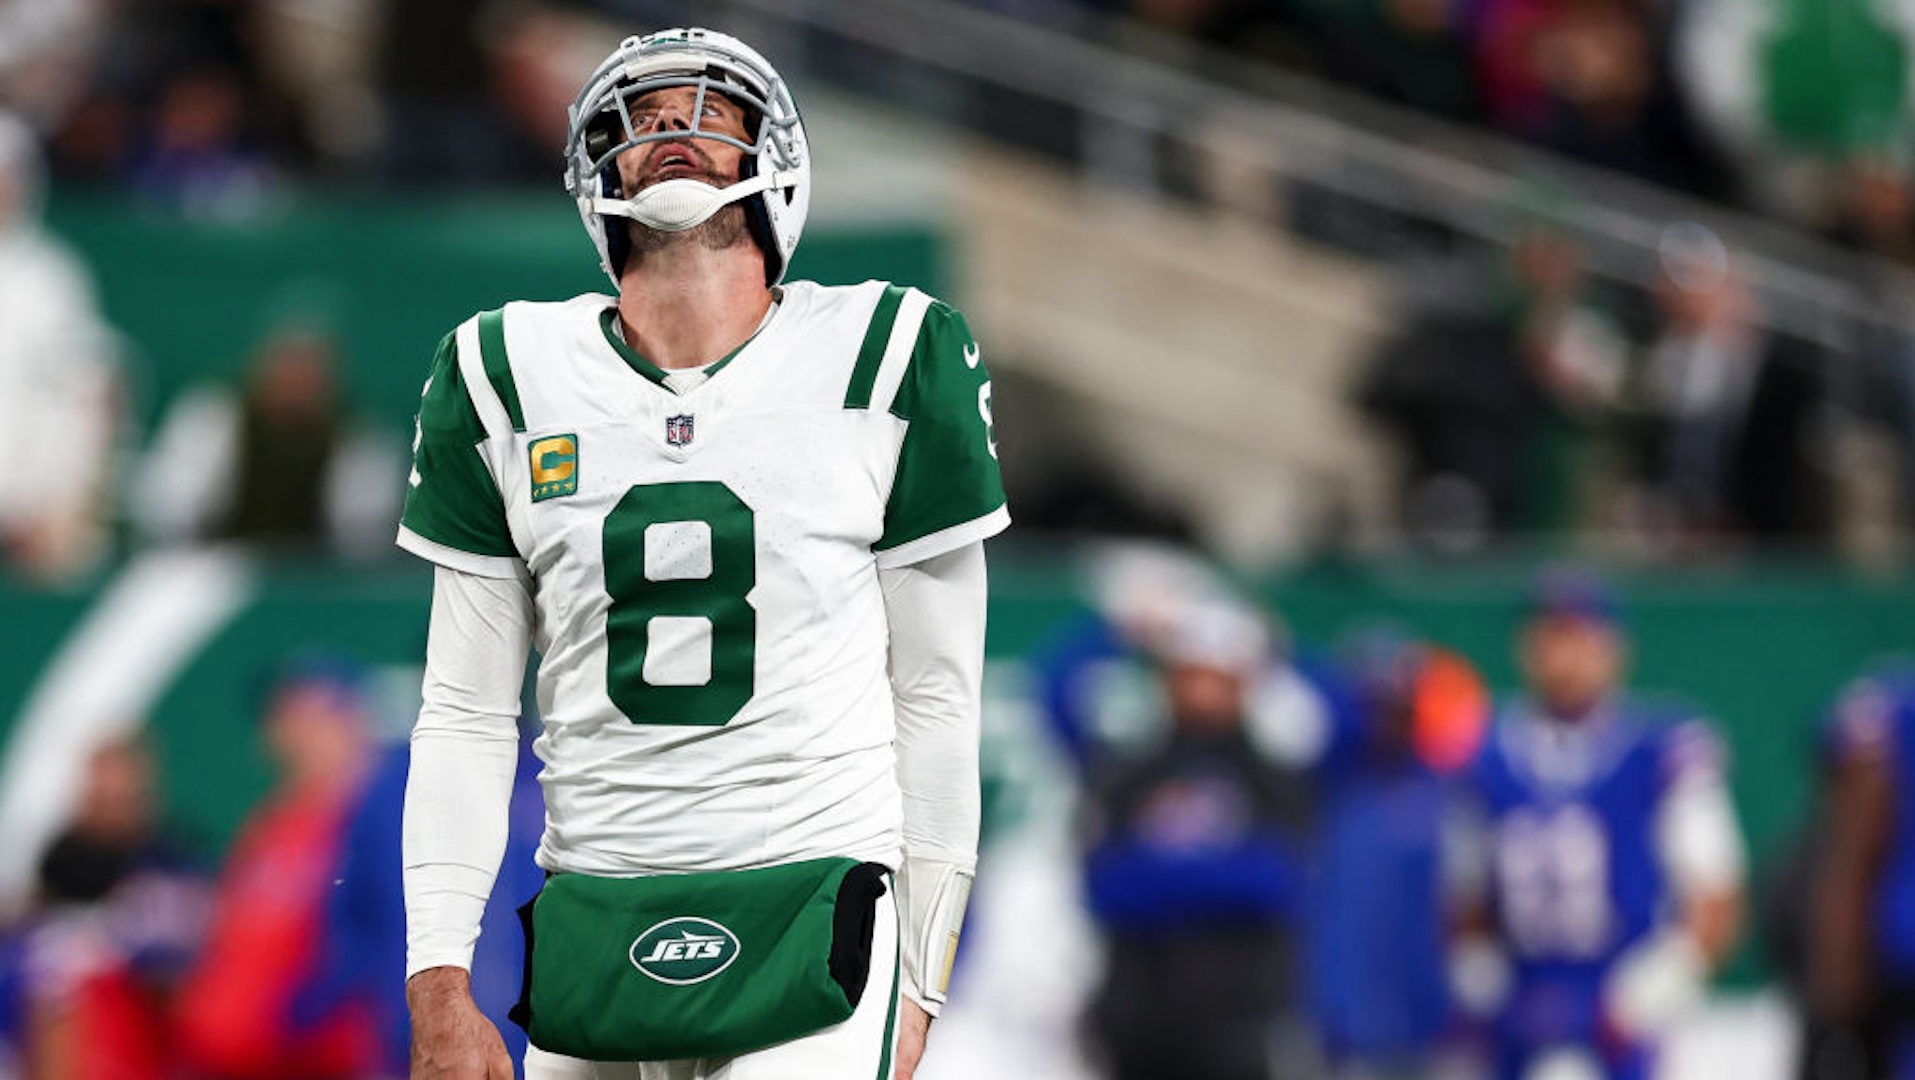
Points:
(947, 471)
(452, 498)
(497, 370)
(864, 375)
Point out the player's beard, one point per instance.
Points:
(722, 230)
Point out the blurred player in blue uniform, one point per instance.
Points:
(363, 959)
(1406, 715)
(1860, 955)
(1599, 867)
(1192, 826)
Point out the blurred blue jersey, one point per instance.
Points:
(1376, 917)
(1575, 873)
(1405, 714)
(365, 954)
(1190, 846)
(1185, 830)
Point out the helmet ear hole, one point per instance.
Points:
(598, 138)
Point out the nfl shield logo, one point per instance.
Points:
(678, 430)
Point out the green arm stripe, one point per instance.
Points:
(891, 1018)
(497, 370)
(864, 375)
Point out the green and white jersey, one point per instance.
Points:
(704, 564)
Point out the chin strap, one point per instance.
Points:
(934, 887)
(677, 205)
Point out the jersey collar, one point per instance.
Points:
(608, 324)
(1565, 755)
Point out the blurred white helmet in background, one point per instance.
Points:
(1218, 634)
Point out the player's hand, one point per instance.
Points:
(914, 1026)
(451, 1038)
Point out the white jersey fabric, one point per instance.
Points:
(713, 686)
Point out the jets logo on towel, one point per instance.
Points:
(684, 950)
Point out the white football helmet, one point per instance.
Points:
(776, 176)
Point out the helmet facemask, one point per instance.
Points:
(774, 167)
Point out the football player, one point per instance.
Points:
(1190, 857)
(1859, 999)
(1406, 715)
(1604, 880)
(742, 521)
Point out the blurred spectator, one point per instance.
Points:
(238, 1018)
(45, 48)
(1591, 78)
(363, 953)
(1859, 924)
(1378, 921)
(1192, 833)
(537, 56)
(170, 98)
(319, 55)
(1202, 17)
(1734, 409)
(197, 155)
(1598, 865)
(280, 464)
(1488, 391)
(1417, 52)
(59, 385)
(1875, 206)
(1874, 388)
(443, 125)
(120, 915)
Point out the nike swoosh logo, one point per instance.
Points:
(971, 355)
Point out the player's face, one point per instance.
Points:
(692, 157)
(1571, 663)
(118, 798)
(1204, 698)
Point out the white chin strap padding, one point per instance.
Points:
(677, 205)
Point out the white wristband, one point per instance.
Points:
(934, 887)
(1480, 976)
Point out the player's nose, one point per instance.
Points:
(673, 114)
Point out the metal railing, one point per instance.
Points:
(1133, 122)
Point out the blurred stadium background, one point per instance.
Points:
(1377, 305)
